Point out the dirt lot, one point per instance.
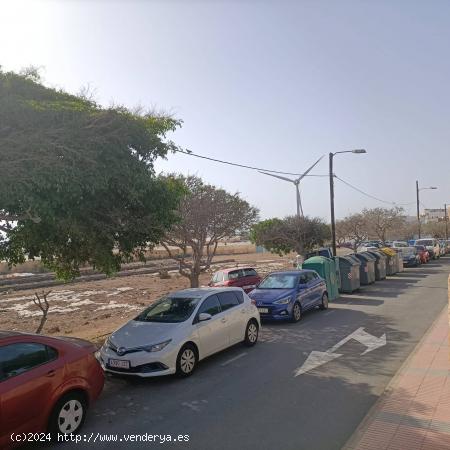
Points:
(92, 310)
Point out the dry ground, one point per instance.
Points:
(92, 310)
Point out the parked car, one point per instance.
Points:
(286, 295)
(432, 245)
(443, 247)
(423, 253)
(245, 277)
(177, 331)
(46, 384)
(399, 244)
(411, 257)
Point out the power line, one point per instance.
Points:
(370, 195)
(243, 165)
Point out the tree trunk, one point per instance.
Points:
(194, 278)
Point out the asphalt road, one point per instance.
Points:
(250, 399)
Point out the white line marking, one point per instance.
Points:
(233, 359)
(328, 313)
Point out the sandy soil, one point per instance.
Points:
(92, 310)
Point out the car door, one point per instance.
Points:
(303, 295)
(316, 288)
(312, 287)
(235, 315)
(213, 333)
(30, 373)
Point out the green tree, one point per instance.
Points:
(207, 216)
(282, 236)
(77, 183)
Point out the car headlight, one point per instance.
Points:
(283, 301)
(156, 347)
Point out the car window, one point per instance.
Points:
(218, 276)
(235, 274)
(239, 295)
(310, 276)
(250, 273)
(227, 300)
(210, 306)
(169, 309)
(21, 357)
(303, 279)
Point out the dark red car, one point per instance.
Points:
(46, 385)
(244, 277)
(423, 253)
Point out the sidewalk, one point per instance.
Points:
(414, 412)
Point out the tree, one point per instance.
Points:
(207, 215)
(77, 183)
(380, 221)
(355, 228)
(282, 236)
(434, 229)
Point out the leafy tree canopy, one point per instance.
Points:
(299, 234)
(77, 183)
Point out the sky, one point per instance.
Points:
(272, 84)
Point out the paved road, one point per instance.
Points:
(249, 398)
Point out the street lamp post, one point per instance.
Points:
(418, 203)
(333, 222)
(446, 222)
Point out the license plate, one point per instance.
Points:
(250, 286)
(263, 310)
(119, 363)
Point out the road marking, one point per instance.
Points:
(329, 312)
(316, 359)
(233, 359)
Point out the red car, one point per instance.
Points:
(423, 253)
(46, 386)
(244, 277)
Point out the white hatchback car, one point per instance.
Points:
(177, 331)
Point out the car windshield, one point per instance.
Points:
(428, 242)
(169, 309)
(420, 247)
(279, 281)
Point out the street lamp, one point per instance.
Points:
(333, 223)
(417, 196)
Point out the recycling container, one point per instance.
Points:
(349, 271)
(326, 268)
(400, 262)
(380, 264)
(367, 269)
(391, 260)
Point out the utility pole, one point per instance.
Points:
(446, 222)
(418, 211)
(333, 224)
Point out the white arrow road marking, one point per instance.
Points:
(316, 359)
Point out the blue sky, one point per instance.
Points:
(274, 84)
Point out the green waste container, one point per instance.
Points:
(326, 268)
(380, 264)
(349, 272)
(367, 268)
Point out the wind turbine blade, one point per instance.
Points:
(309, 170)
(277, 176)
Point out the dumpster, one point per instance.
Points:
(349, 270)
(400, 261)
(391, 260)
(367, 269)
(325, 267)
(380, 264)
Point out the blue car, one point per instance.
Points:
(286, 295)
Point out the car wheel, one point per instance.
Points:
(68, 415)
(186, 360)
(251, 333)
(296, 312)
(324, 304)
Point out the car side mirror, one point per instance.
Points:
(204, 316)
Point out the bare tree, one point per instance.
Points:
(207, 216)
(42, 303)
(356, 229)
(380, 221)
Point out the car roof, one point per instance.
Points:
(7, 334)
(230, 269)
(201, 291)
(291, 272)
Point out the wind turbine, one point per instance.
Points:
(296, 182)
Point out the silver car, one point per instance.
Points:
(178, 330)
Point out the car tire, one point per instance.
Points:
(296, 312)
(68, 415)
(324, 304)
(187, 360)
(251, 333)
